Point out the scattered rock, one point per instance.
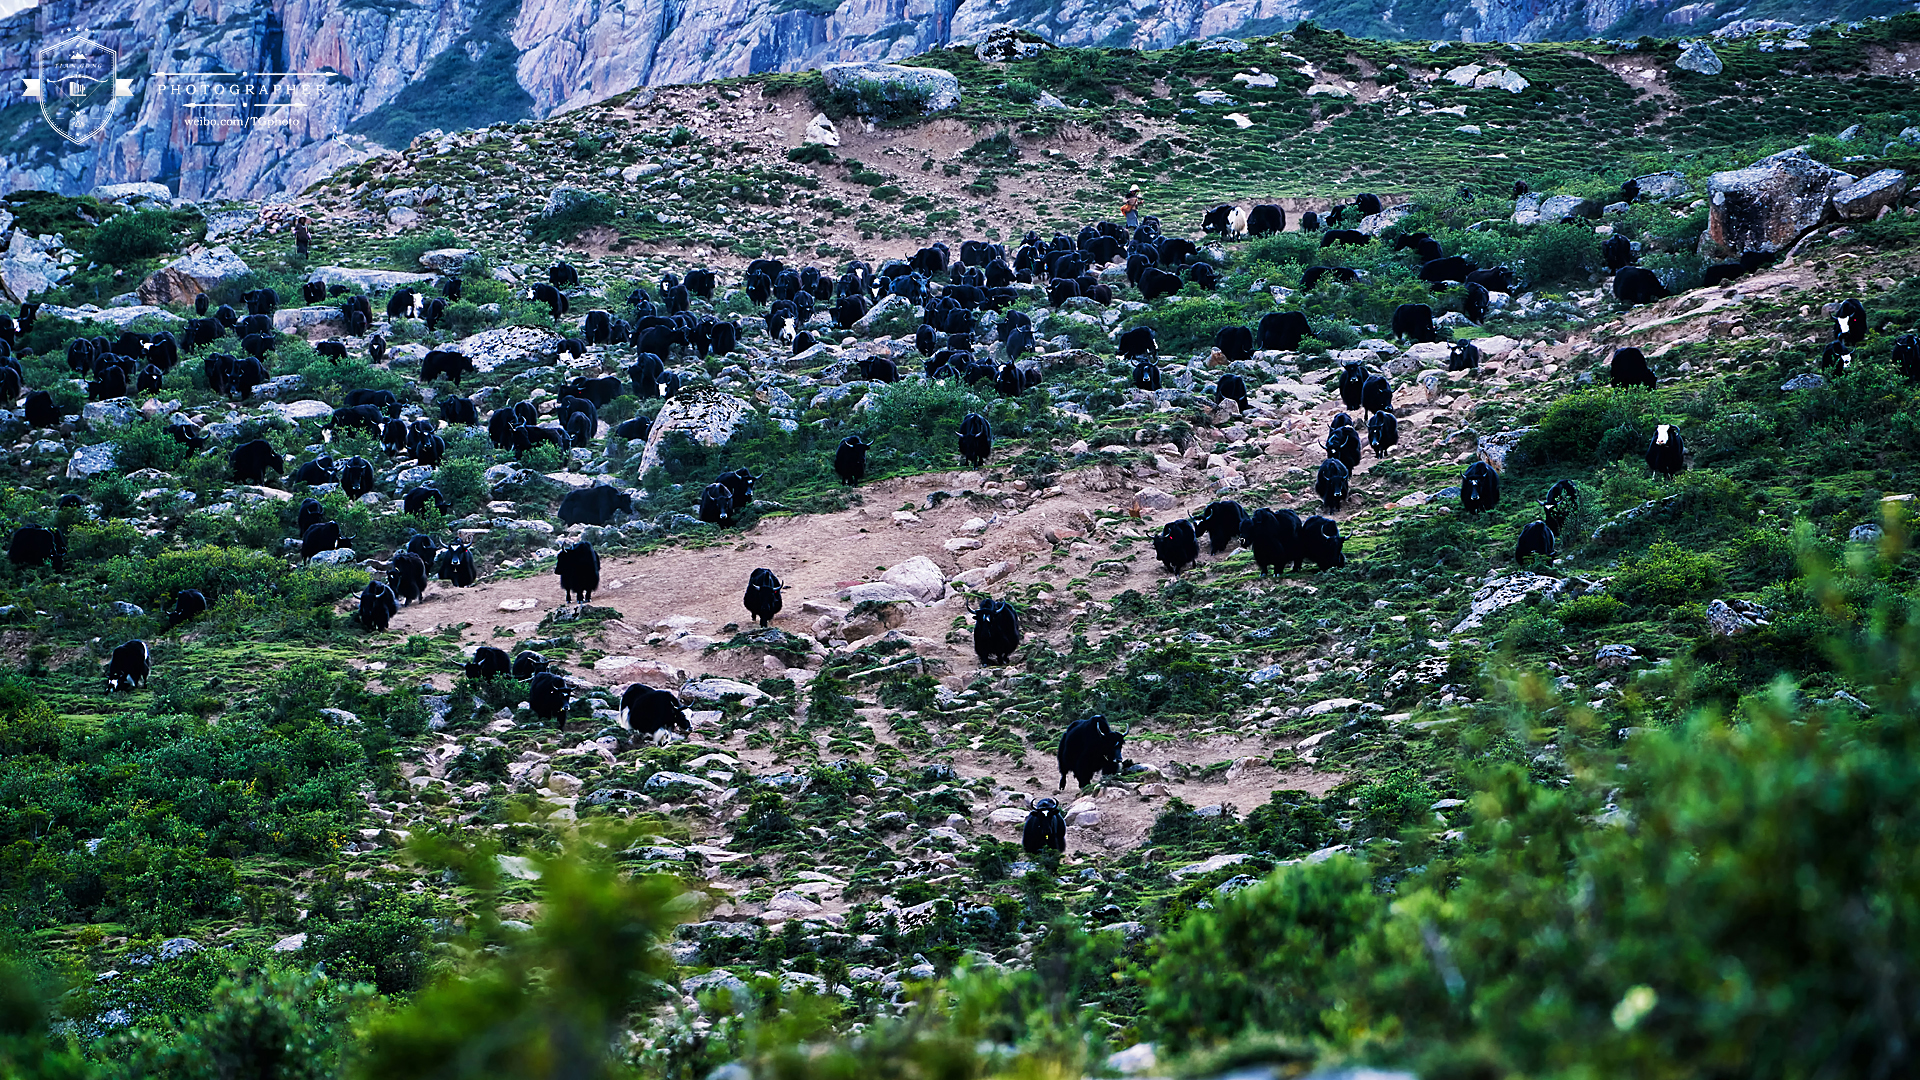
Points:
(1726, 618)
(896, 81)
(1807, 381)
(1612, 656)
(1661, 186)
(920, 576)
(447, 260)
(90, 461)
(1770, 204)
(202, 272)
(1700, 58)
(1500, 593)
(713, 689)
(820, 132)
(1865, 198)
(1005, 43)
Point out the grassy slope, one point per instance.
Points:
(1762, 461)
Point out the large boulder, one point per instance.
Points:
(447, 260)
(566, 200)
(1866, 197)
(705, 415)
(1557, 208)
(1771, 203)
(1662, 186)
(311, 322)
(90, 461)
(821, 132)
(488, 349)
(118, 316)
(1373, 224)
(919, 576)
(875, 84)
(133, 192)
(1501, 79)
(1700, 58)
(1004, 43)
(201, 272)
(23, 275)
(369, 280)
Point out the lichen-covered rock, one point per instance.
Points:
(1497, 449)
(133, 192)
(1501, 79)
(1005, 43)
(1771, 203)
(1700, 58)
(202, 272)
(370, 280)
(821, 132)
(1727, 618)
(311, 322)
(447, 260)
(1661, 186)
(894, 82)
(1865, 198)
(707, 416)
(90, 461)
(1500, 593)
(488, 349)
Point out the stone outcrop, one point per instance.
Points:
(1771, 203)
(1865, 198)
(707, 416)
(896, 82)
(1700, 58)
(202, 272)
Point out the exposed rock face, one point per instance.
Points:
(895, 81)
(1700, 58)
(202, 272)
(709, 417)
(1866, 197)
(1771, 203)
(568, 53)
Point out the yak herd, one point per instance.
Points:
(950, 295)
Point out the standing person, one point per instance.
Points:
(1132, 207)
(301, 237)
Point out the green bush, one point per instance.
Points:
(811, 154)
(128, 238)
(564, 226)
(1271, 957)
(1596, 610)
(1291, 823)
(464, 482)
(1667, 574)
(1589, 427)
(284, 1025)
(145, 444)
(464, 318)
(882, 102)
(405, 250)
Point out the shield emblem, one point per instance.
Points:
(77, 84)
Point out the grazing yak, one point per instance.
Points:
(1850, 322)
(1561, 503)
(456, 565)
(129, 666)
(1383, 432)
(1629, 368)
(378, 605)
(976, 439)
(1282, 330)
(763, 595)
(1667, 453)
(1331, 483)
(1146, 376)
(32, 545)
(1414, 321)
(1637, 285)
(1090, 746)
(595, 505)
(1177, 547)
(1234, 342)
(1479, 488)
(578, 567)
(850, 460)
(1322, 544)
(488, 662)
(1536, 539)
(1463, 356)
(251, 460)
(716, 504)
(408, 576)
(996, 631)
(186, 604)
(1045, 828)
(1342, 443)
(1222, 522)
(651, 711)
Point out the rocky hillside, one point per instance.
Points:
(391, 70)
(1433, 804)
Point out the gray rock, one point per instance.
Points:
(488, 349)
(1808, 381)
(311, 322)
(1615, 656)
(370, 280)
(678, 784)
(565, 199)
(202, 272)
(1770, 204)
(175, 948)
(336, 557)
(90, 461)
(1004, 43)
(1727, 618)
(1497, 448)
(228, 224)
(280, 386)
(1215, 98)
(1865, 198)
(404, 216)
(1502, 592)
(1851, 133)
(447, 260)
(126, 610)
(1225, 45)
(111, 413)
(1661, 186)
(707, 416)
(1567, 207)
(720, 981)
(1700, 58)
(1864, 534)
(895, 81)
(1501, 79)
(133, 192)
(888, 308)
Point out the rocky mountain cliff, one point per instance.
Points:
(394, 68)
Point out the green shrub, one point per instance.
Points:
(1272, 957)
(1596, 610)
(464, 483)
(1589, 427)
(285, 1025)
(882, 102)
(215, 571)
(1667, 574)
(811, 154)
(405, 250)
(1554, 252)
(1291, 823)
(1533, 630)
(145, 444)
(565, 225)
(128, 238)
(464, 318)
